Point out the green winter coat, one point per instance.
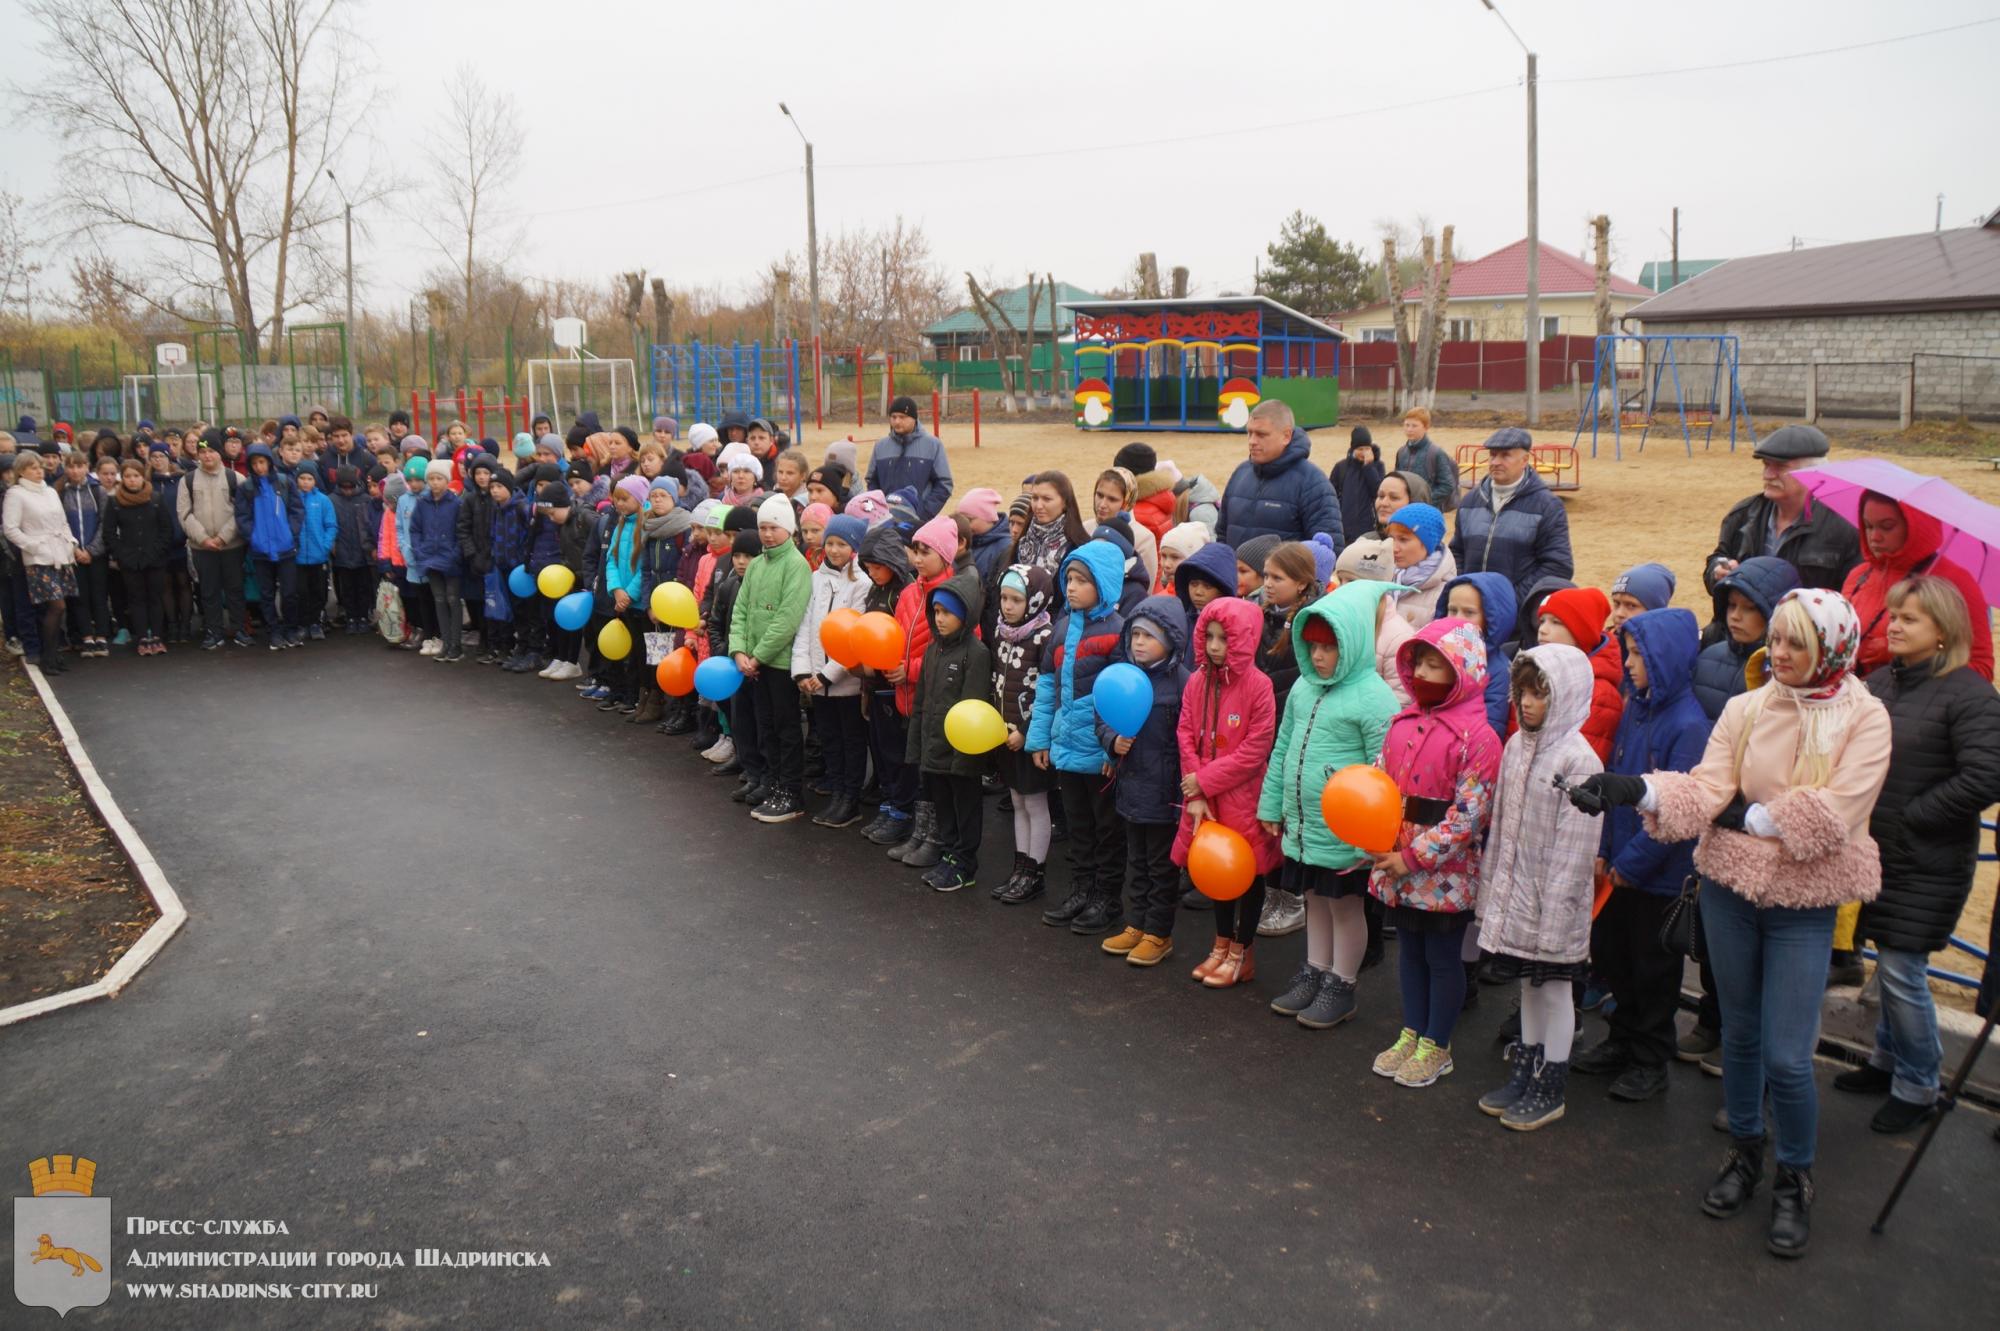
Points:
(770, 606)
(1328, 724)
(955, 669)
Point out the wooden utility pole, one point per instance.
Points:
(1675, 242)
(1600, 305)
(1180, 281)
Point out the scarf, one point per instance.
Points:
(128, 499)
(1419, 573)
(664, 527)
(1044, 544)
(1829, 700)
(1039, 589)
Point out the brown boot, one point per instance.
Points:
(1214, 959)
(1236, 968)
(652, 706)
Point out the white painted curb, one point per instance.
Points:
(172, 914)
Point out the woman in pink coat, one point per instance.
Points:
(1228, 723)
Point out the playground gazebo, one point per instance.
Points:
(1201, 364)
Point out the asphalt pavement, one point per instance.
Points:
(472, 966)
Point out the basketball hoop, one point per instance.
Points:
(170, 355)
(568, 334)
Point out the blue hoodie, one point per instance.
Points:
(1214, 562)
(319, 525)
(1496, 598)
(1148, 785)
(268, 511)
(1662, 729)
(1718, 673)
(1081, 643)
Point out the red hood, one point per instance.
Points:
(1926, 534)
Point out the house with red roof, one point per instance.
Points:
(1489, 295)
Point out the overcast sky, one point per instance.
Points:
(1031, 135)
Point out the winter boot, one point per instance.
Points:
(1791, 1212)
(919, 830)
(1742, 1171)
(1521, 1060)
(652, 706)
(1542, 1103)
(1301, 992)
(929, 851)
(1332, 1005)
(1013, 877)
(1031, 885)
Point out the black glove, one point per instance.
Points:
(1606, 790)
(1731, 818)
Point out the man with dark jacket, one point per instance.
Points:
(1277, 491)
(910, 456)
(1511, 523)
(1782, 521)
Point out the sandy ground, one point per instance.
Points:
(1657, 505)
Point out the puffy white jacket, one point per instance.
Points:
(831, 590)
(35, 525)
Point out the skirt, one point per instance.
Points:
(1322, 882)
(1410, 920)
(1506, 967)
(1019, 772)
(51, 582)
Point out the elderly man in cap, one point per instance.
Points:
(1511, 523)
(1781, 521)
(911, 457)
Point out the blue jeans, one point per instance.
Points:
(1906, 1036)
(1770, 975)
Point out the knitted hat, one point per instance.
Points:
(870, 507)
(1136, 457)
(524, 445)
(817, 514)
(499, 478)
(413, 470)
(414, 443)
(903, 406)
(1581, 610)
(1652, 585)
(1324, 557)
(948, 600)
(551, 443)
(708, 513)
(1256, 550)
(1022, 505)
(438, 469)
(941, 535)
(847, 529)
(1367, 560)
(555, 495)
(667, 483)
(1186, 538)
(700, 434)
(778, 511)
(844, 452)
(981, 505)
(1317, 630)
(746, 543)
(636, 487)
(744, 462)
(667, 423)
(740, 518)
(1426, 522)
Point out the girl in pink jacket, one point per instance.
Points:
(1228, 723)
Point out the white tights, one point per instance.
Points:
(1031, 825)
(1336, 934)
(1548, 1018)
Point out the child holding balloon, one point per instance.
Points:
(1147, 785)
(931, 551)
(956, 667)
(618, 597)
(1337, 716)
(833, 688)
(885, 563)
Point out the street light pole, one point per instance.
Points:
(1533, 314)
(812, 231)
(347, 333)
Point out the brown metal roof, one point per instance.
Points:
(1937, 270)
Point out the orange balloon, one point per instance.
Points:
(676, 673)
(1220, 861)
(1362, 807)
(836, 635)
(879, 640)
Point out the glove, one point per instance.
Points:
(1606, 790)
(1731, 818)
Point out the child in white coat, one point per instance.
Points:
(833, 692)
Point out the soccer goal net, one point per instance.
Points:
(167, 397)
(563, 389)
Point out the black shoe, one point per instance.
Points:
(1606, 1058)
(730, 768)
(1196, 899)
(679, 723)
(1791, 1212)
(949, 876)
(608, 705)
(1333, 1004)
(1898, 1115)
(889, 830)
(1864, 1080)
(781, 807)
(1030, 886)
(1013, 876)
(1098, 916)
(750, 791)
(210, 643)
(1639, 1082)
(1068, 909)
(1742, 1170)
(1300, 993)
(843, 812)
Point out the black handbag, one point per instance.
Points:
(1680, 931)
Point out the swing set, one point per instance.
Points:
(1667, 362)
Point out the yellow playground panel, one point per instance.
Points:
(1559, 465)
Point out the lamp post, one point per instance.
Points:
(812, 233)
(347, 333)
(1533, 331)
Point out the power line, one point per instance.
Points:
(1777, 59)
(598, 204)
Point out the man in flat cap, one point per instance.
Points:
(1782, 521)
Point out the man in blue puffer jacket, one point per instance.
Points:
(1277, 491)
(1062, 733)
(1662, 729)
(1511, 523)
(911, 456)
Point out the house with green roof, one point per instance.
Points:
(1659, 276)
(959, 345)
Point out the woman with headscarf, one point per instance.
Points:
(1395, 490)
(1781, 802)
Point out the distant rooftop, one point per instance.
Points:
(1659, 276)
(1014, 303)
(1504, 273)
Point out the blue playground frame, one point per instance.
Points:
(1661, 353)
(694, 382)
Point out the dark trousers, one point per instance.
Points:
(531, 624)
(888, 741)
(220, 573)
(90, 609)
(1708, 1014)
(22, 622)
(620, 676)
(775, 696)
(1153, 884)
(312, 594)
(179, 600)
(145, 600)
(449, 620)
(843, 743)
(1096, 834)
(356, 590)
(750, 753)
(1644, 977)
(278, 582)
(1433, 979)
(960, 821)
(1237, 920)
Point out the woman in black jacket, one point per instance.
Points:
(137, 534)
(1944, 768)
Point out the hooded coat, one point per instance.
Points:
(913, 613)
(1287, 497)
(1869, 583)
(1214, 562)
(1081, 644)
(1944, 770)
(1136, 586)
(955, 667)
(1663, 730)
(354, 523)
(1527, 540)
(830, 589)
(434, 535)
(884, 545)
(318, 527)
(1443, 752)
(1148, 785)
(268, 512)
(1718, 671)
(1391, 632)
(1018, 650)
(1228, 723)
(1329, 723)
(1354, 485)
(1496, 600)
(1536, 880)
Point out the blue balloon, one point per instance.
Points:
(520, 581)
(717, 678)
(573, 611)
(1123, 695)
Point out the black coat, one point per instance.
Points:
(138, 536)
(1822, 545)
(1944, 770)
(955, 670)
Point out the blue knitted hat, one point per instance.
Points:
(1425, 521)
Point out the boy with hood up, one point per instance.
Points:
(956, 667)
(354, 528)
(269, 515)
(1744, 600)
(1147, 785)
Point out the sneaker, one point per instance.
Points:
(244, 640)
(949, 876)
(452, 657)
(14, 647)
(1121, 943)
(781, 807)
(567, 670)
(589, 682)
(721, 751)
(1390, 1061)
(316, 632)
(1332, 1005)
(1691, 1047)
(123, 638)
(1596, 995)
(1284, 913)
(431, 647)
(1426, 1065)
(1152, 950)
(548, 671)
(596, 693)
(277, 643)
(295, 638)
(211, 642)
(1299, 994)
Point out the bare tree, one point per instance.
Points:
(883, 288)
(1005, 346)
(18, 266)
(1418, 351)
(204, 126)
(475, 154)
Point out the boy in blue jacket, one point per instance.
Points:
(1662, 729)
(318, 528)
(1147, 782)
(268, 516)
(434, 548)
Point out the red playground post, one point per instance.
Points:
(416, 410)
(479, 410)
(889, 374)
(937, 414)
(975, 418)
(434, 417)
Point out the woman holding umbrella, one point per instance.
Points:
(1899, 541)
(1780, 801)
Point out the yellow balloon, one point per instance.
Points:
(555, 581)
(673, 605)
(614, 641)
(973, 726)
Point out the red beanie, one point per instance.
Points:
(1581, 610)
(1318, 630)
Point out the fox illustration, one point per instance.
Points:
(77, 1260)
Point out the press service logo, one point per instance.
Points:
(62, 1237)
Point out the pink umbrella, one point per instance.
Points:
(1971, 526)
